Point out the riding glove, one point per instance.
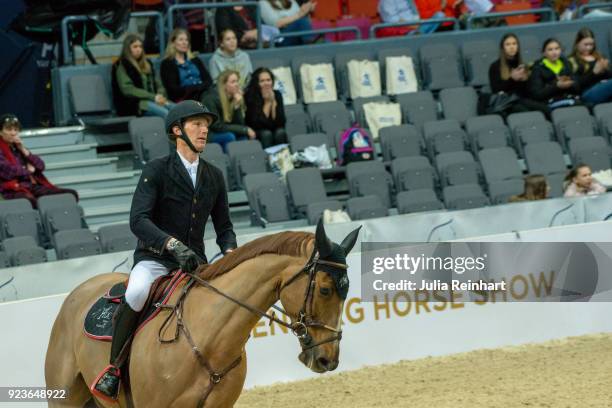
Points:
(188, 259)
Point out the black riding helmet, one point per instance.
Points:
(182, 111)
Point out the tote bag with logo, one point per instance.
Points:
(382, 114)
(401, 77)
(364, 78)
(283, 83)
(318, 83)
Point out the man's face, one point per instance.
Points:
(9, 133)
(196, 129)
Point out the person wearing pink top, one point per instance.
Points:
(579, 182)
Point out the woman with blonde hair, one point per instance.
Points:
(183, 74)
(227, 102)
(536, 188)
(136, 90)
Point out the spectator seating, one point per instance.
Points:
(246, 157)
(418, 201)
(487, 131)
(370, 177)
(341, 61)
(441, 66)
(400, 141)
(459, 103)
(117, 238)
(418, 108)
(547, 158)
(603, 114)
(464, 196)
(362, 208)
(457, 168)
(444, 136)
(478, 56)
(214, 155)
(593, 151)
(76, 243)
(413, 173)
(529, 127)
(18, 219)
(502, 173)
(308, 193)
(23, 251)
(149, 139)
(300, 142)
(573, 122)
(268, 198)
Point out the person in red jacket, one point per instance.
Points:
(21, 171)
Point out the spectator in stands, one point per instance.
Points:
(509, 75)
(396, 11)
(241, 20)
(21, 171)
(289, 17)
(591, 69)
(227, 103)
(579, 182)
(229, 56)
(437, 9)
(265, 111)
(183, 75)
(136, 90)
(536, 188)
(551, 79)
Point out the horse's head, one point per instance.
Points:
(314, 298)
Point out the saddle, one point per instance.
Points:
(98, 323)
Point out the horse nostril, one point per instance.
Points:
(323, 362)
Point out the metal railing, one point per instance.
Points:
(68, 20)
(588, 7)
(544, 10)
(317, 32)
(206, 6)
(376, 27)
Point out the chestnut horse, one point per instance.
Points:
(206, 365)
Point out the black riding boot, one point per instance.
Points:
(126, 321)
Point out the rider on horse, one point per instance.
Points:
(175, 196)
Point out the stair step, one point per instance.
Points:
(106, 197)
(101, 180)
(58, 154)
(83, 167)
(40, 139)
(107, 215)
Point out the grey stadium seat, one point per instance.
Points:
(149, 139)
(4, 260)
(246, 157)
(23, 251)
(464, 197)
(369, 177)
(478, 56)
(573, 122)
(315, 210)
(593, 151)
(306, 187)
(314, 108)
(413, 173)
(60, 212)
(396, 52)
(529, 127)
(603, 114)
(487, 131)
(441, 66)
(361, 208)
(76, 243)
(332, 122)
(400, 141)
(418, 201)
(418, 108)
(358, 107)
(547, 158)
(501, 171)
(459, 103)
(444, 136)
(531, 48)
(17, 219)
(457, 168)
(91, 103)
(297, 123)
(214, 155)
(300, 142)
(501, 191)
(267, 198)
(341, 61)
(116, 238)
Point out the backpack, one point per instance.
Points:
(355, 145)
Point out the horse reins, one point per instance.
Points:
(299, 328)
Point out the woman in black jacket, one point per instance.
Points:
(265, 111)
(552, 79)
(183, 75)
(591, 69)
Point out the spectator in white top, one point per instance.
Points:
(579, 182)
(399, 11)
(289, 17)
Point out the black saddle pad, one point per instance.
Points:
(98, 323)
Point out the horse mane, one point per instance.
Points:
(292, 243)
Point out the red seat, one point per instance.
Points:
(367, 8)
(330, 10)
(514, 6)
(363, 23)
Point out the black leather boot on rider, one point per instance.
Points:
(126, 322)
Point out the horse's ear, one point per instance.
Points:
(349, 242)
(324, 245)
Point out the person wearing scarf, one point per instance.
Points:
(21, 171)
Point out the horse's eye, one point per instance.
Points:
(325, 291)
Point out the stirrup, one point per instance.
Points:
(109, 370)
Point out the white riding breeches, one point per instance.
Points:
(142, 277)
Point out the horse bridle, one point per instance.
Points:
(305, 319)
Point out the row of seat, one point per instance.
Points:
(58, 223)
(437, 66)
